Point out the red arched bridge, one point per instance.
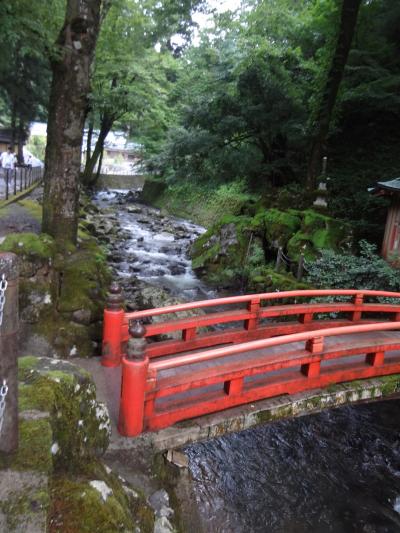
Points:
(242, 349)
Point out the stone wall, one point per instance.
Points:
(118, 181)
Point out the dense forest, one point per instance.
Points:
(240, 108)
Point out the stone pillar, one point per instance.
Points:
(9, 324)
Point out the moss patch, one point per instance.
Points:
(97, 501)
(241, 250)
(34, 208)
(80, 425)
(29, 245)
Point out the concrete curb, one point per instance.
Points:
(20, 196)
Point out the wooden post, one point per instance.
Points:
(278, 258)
(9, 324)
(133, 387)
(253, 307)
(357, 300)
(300, 267)
(112, 327)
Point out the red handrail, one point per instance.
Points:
(215, 353)
(136, 315)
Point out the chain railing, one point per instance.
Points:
(3, 394)
(3, 288)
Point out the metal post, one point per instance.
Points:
(20, 178)
(6, 176)
(9, 351)
(15, 181)
(112, 327)
(133, 388)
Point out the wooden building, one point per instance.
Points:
(5, 139)
(391, 239)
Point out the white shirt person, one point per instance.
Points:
(7, 159)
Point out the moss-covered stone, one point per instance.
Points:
(29, 245)
(98, 502)
(24, 500)
(61, 293)
(35, 442)
(80, 424)
(240, 250)
(318, 232)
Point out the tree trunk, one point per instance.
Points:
(21, 139)
(99, 165)
(67, 107)
(347, 26)
(89, 140)
(89, 177)
(13, 123)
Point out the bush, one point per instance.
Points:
(347, 271)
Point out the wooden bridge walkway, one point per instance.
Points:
(269, 346)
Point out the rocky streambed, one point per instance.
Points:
(148, 251)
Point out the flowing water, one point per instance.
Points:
(337, 471)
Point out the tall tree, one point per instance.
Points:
(127, 72)
(347, 26)
(27, 35)
(67, 108)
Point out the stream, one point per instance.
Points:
(337, 471)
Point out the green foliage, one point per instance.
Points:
(347, 271)
(26, 40)
(37, 146)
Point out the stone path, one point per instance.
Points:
(15, 218)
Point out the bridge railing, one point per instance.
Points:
(156, 394)
(244, 318)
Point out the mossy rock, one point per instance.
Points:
(221, 251)
(24, 502)
(97, 502)
(318, 232)
(268, 280)
(35, 251)
(83, 281)
(280, 226)
(80, 424)
(30, 245)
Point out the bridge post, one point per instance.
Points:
(314, 345)
(253, 307)
(358, 299)
(133, 387)
(112, 327)
(9, 325)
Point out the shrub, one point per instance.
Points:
(346, 271)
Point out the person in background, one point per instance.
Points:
(7, 161)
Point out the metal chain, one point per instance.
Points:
(3, 394)
(3, 288)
